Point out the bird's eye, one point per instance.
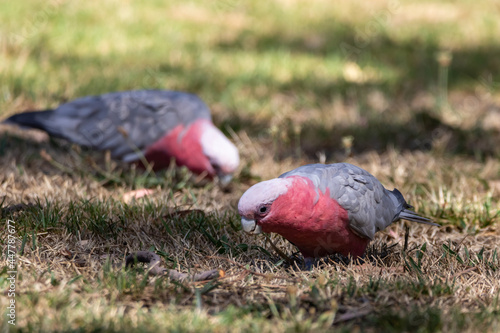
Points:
(263, 209)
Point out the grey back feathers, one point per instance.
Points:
(370, 206)
(121, 122)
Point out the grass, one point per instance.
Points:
(405, 90)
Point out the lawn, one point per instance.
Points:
(406, 90)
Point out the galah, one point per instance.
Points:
(158, 124)
(324, 209)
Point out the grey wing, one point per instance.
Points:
(369, 205)
(125, 122)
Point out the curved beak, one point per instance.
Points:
(224, 180)
(250, 226)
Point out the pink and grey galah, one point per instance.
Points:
(324, 209)
(158, 124)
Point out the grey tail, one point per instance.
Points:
(407, 214)
(33, 119)
(414, 217)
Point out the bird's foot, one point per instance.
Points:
(308, 263)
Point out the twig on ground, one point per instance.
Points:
(470, 269)
(272, 276)
(351, 315)
(154, 268)
(73, 258)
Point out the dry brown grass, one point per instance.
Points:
(342, 293)
(277, 81)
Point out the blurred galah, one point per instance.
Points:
(158, 124)
(324, 209)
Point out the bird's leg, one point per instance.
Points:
(407, 233)
(308, 263)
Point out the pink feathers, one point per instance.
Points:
(183, 144)
(312, 221)
(201, 147)
(318, 227)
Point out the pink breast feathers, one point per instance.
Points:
(317, 228)
(183, 144)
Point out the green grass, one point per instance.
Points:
(290, 82)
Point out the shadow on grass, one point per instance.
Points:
(424, 132)
(414, 60)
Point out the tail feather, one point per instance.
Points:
(414, 217)
(405, 213)
(33, 119)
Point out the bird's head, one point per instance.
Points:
(257, 205)
(222, 154)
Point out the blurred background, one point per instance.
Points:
(307, 78)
